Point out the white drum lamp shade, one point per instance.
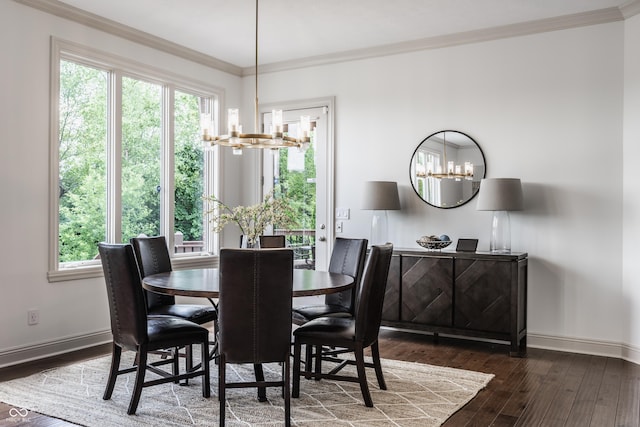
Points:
(380, 197)
(500, 195)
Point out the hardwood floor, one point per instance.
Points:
(546, 388)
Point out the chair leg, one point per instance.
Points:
(140, 373)
(189, 357)
(286, 391)
(262, 391)
(176, 363)
(318, 364)
(221, 386)
(375, 353)
(362, 375)
(295, 392)
(206, 381)
(308, 359)
(113, 372)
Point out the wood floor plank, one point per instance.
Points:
(604, 412)
(565, 396)
(584, 405)
(542, 397)
(484, 409)
(526, 388)
(628, 410)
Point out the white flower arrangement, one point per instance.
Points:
(252, 220)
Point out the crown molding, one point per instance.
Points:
(55, 7)
(630, 9)
(601, 16)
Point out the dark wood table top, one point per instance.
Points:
(203, 282)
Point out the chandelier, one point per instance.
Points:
(453, 171)
(239, 140)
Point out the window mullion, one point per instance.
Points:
(167, 172)
(210, 183)
(114, 158)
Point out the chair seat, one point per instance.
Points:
(195, 313)
(330, 329)
(311, 312)
(169, 331)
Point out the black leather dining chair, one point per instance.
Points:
(348, 257)
(353, 333)
(255, 317)
(134, 330)
(153, 257)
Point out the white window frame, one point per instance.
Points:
(119, 67)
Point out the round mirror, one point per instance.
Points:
(446, 169)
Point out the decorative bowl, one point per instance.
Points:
(432, 244)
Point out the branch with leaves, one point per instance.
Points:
(252, 220)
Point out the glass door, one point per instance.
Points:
(301, 176)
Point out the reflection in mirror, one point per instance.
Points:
(446, 169)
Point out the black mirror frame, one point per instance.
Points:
(484, 160)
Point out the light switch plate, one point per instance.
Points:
(342, 213)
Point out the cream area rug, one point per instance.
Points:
(418, 395)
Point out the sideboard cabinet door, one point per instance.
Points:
(427, 290)
(483, 295)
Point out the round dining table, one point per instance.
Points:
(203, 282)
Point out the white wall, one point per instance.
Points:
(631, 187)
(68, 310)
(545, 108)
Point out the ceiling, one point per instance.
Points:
(300, 29)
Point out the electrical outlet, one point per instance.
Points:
(339, 227)
(33, 317)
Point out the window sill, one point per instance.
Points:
(93, 271)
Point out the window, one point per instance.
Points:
(126, 159)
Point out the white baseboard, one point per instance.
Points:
(24, 354)
(585, 346)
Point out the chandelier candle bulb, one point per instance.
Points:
(233, 120)
(305, 128)
(277, 123)
(468, 169)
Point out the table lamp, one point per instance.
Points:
(380, 197)
(500, 195)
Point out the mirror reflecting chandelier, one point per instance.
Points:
(239, 140)
(453, 171)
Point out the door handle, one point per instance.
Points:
(322, 239)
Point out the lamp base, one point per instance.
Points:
(500, 233)
(379, 228)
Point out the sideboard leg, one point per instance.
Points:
(519, 348)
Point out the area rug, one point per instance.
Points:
(418, 395)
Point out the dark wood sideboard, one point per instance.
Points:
(470, 294)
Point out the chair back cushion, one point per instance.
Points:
(276, 241)
(348, 257)
(374, 284)
(124, 292)
(254, 307)
(153, 257)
